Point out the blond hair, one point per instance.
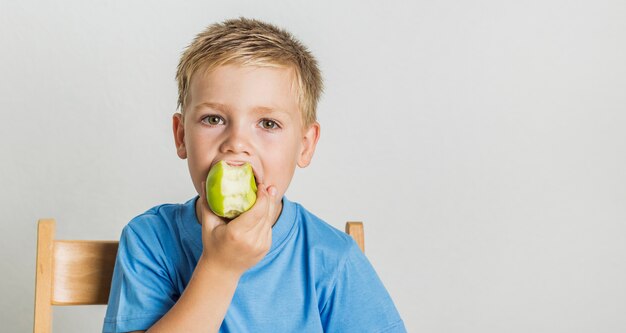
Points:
(245, 41)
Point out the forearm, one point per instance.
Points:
(203, 304)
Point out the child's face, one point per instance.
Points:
(245, 114)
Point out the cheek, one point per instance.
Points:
(200, 139)
(284, 145)
(278, 153)
(201, 149)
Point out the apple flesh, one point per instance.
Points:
(230, 189)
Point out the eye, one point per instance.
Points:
(213, 120)
(268, 124)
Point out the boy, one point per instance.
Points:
(248, 92)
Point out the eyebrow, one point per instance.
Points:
(216, 106)
(226, 108)
(268, 109)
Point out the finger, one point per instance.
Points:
(266, 220)
(251, 218)
(271, 211)
(266, 204)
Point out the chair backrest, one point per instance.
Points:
(79, 272)
(355, 229)
(75, 272)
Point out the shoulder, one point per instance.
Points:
(321, 235)
(156, 220)
(154, 238)
(157, 229)
(327, 247)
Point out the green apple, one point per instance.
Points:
(230, 189)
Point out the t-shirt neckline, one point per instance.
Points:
(192, 229)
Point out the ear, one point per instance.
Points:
(309, 142)
(179, 135)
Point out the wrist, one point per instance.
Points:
(213, 268)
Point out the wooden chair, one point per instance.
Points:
(79, 272)
(355, 229)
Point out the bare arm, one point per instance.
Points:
(228, 251)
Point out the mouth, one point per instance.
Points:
(235, 163)
(257, 177)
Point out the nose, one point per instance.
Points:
(236, 140)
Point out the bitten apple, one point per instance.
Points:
(230, 189)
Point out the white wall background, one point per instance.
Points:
(482, 142)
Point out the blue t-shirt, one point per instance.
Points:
(313, 279)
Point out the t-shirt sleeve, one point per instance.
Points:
(141, 289)
(358, 301)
